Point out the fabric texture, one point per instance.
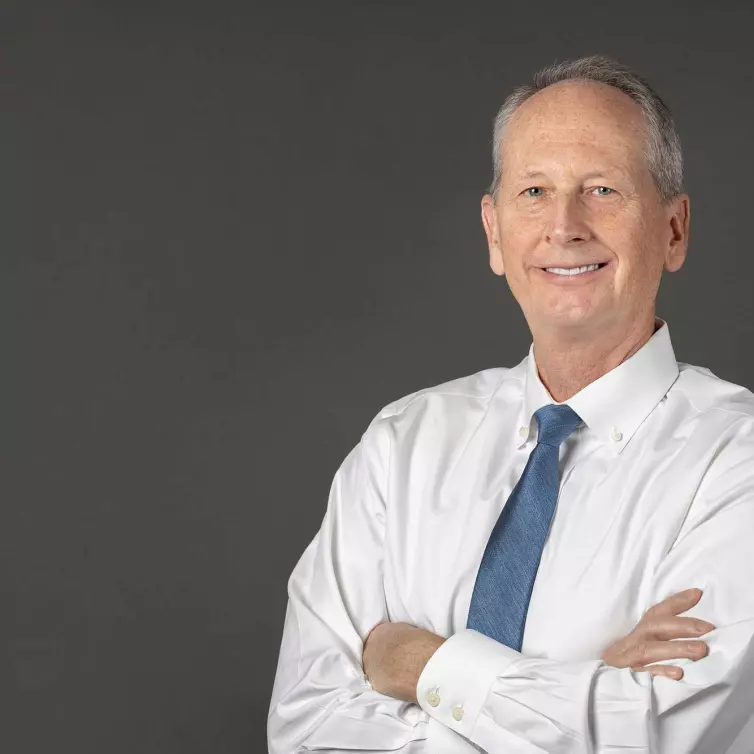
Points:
(509, 566)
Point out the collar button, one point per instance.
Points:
(616, 435)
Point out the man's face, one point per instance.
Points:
(575, 190)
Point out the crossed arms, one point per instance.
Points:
(323, 701)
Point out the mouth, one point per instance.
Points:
(575, 272)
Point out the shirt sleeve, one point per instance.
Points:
(321, 700)
(503, 701)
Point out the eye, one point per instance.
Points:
(534, 192)
(603, 190)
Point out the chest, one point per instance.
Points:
(616, 518)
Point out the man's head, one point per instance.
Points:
(588, 170)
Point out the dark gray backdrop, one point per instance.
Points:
(231, 234)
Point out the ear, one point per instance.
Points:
(492, 230)
(678, 217)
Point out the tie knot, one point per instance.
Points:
(556, 423)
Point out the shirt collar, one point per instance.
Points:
(615, 405)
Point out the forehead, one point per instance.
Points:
(584, 117)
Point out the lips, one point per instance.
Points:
(560, 273)
(573, 271)
(560, 265)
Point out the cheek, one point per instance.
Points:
(639, 261)
(518, 237)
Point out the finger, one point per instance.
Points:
(645, 653)
(668, 627)
(666, 671)
(676, 603)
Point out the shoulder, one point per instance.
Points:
(714, 397)
(475, 389)
(721, 429)
(441, 417)
(447, 409)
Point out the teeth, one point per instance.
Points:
(573, 270)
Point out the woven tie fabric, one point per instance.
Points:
(509, 565)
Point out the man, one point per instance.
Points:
(621, 479)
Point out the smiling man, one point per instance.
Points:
(524, 560)
(581, 226)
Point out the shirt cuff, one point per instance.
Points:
(455, 682)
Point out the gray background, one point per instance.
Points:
(231, 234)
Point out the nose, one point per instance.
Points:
(567, 225)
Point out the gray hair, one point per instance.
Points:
(663, 146)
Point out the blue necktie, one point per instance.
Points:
(509, 565)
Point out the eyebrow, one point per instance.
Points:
(530, 174)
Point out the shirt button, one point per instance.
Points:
(433, 699)
(458, 713)
(616, 434)
(523, 432)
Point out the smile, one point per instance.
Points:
(574, 270)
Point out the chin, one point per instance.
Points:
(571, 322)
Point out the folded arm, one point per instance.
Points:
(321, 699)
(512, 702)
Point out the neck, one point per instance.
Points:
(566, 366)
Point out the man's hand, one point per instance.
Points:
(651, 641)
(395, 655)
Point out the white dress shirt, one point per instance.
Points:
(656, 496)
